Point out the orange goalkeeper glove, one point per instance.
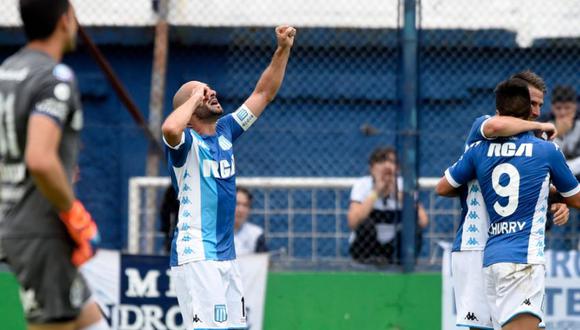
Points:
(83, 230)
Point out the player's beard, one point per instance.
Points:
(71, 43)
(208, 113)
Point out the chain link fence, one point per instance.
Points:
(340, 99)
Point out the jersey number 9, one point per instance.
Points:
(511, 190)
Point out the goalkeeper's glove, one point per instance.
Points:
(83, 230)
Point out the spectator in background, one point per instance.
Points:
(374, 214)
(565, 119)
(248, 237)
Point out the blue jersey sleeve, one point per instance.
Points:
(562, 176)
(237, 122)
(463, 170)
(476, 132)
(177, 155)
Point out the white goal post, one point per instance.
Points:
(138, 184)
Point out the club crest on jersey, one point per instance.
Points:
(224, 143)
(222, 170)
(62, 72)
(220, 313)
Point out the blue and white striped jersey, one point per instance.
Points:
(203, 172)
(514, 175)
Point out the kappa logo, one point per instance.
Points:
(472, 241)
(224, 143)
(471, 317)
(474, 188)
(196, 319)
(472, 229)
(527, 302)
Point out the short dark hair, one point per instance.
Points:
(532, 78)
(381, 154)
(563, 93)
(245, 191)
(512, 98)
(39, 17)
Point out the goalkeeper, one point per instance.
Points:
(45, 232)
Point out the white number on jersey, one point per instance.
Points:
(511, 190)
(8, 141)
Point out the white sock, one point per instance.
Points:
(101, 325)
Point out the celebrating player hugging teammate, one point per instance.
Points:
(513, 176)
(201, 162)
(467, 256)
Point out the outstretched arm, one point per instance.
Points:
(271, 79)
(502, 126)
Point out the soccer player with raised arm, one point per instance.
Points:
(46, 233)
(514, 176)
(467, 250)
(199, 141)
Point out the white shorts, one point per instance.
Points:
(515, 289)
(470, 300)
(210, 294)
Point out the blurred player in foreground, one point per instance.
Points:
(46, 233)
(200, 154)
(514, 176)
(467, 255)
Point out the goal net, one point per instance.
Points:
(304, 218)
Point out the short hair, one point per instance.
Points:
(40, 17)
(532, 78)
(512, 98)
(563, 93)
(381, 154)
(245, 191)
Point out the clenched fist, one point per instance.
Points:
(285, 35)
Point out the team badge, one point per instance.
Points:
(220, 313)
(62, 72)
(224, 143)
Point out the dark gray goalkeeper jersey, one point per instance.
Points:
(32, 83)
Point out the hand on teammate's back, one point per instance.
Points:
(285, 35)
(83, 230)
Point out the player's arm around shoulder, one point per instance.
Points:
(504, 126)
(271, 79)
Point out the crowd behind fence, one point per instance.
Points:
(305, 226)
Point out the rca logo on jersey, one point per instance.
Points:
(221, 170)
(500, 228)
(509, 149)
